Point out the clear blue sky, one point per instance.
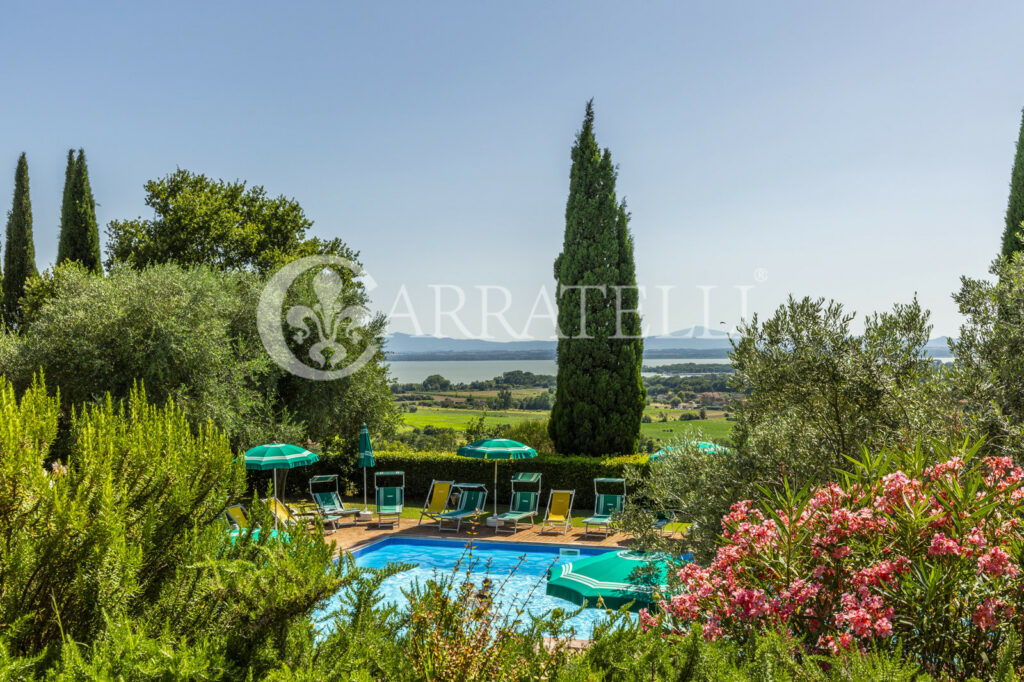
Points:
(859, 151)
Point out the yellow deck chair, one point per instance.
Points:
(236, 517)
(280, 511)
(240, 525)
(437, 500)
(559, 511)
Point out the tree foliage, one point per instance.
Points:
(1015, 206)
(815, 395)
(600, 394)
(79, 232)
(989, 353)
(19, 251)
(817, 392)
(227, 225)
(190, 335)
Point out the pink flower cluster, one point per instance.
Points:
(847, 570)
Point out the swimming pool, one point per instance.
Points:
(496, 560)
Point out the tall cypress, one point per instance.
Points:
(19, 251)
(66, 206)
(599, 396)
(79, 233)
(1015, 207)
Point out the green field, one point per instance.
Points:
(715, 426)
(460, 419)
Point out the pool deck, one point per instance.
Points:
(347, 538)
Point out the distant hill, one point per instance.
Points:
(695, 342)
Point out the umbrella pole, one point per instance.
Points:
(495, 487)
(273, 472)
(364, 489)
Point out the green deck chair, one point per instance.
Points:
(604, 506)
(525, 504)
(390, 499)
(472, 501)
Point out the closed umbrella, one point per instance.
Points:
(497, 449)
(365, 457)
(616, 578)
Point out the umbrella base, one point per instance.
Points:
(364, 516)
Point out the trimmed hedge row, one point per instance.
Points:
(559, 472)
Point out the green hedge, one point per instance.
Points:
(559, 473)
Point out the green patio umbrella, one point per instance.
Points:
(278, 456)
(365, 457)
(616, 578)
(497, 448)
(702, 445)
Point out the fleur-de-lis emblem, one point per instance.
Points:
(328, 320)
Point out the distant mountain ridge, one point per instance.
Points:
(695, 342)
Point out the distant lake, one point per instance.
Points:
(465, 371)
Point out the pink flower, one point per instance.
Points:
(947, 469)
(883, 627)
(942, 545)
(986, 616)
(647, 621)
(997, 563)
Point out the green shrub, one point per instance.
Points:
(126, 536)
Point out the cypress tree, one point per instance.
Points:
(1015, 207)
(19, 252)
(599, 392)
(66, 206)
(79, 233)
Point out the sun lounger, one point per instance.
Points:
(604, 506)
(328, 502)
(559, 511)
(331, 509)
(390, 500)
(281, 512)
(437, 500)
(525, 504)
(472, 500)
(240, 526)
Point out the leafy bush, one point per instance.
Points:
(698, 486)
(121, 553)
(901, 555)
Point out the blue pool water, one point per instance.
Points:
(436, 558)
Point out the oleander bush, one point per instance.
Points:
(908, 554)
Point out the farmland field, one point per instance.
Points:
(460, 419)
(715, 426)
